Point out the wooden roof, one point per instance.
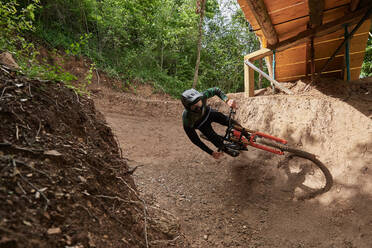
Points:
(290, 17)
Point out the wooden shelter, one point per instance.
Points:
(302, 38)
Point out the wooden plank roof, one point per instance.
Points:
(291, 17)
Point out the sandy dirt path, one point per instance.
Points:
(241, 202)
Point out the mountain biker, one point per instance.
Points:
(198, 115)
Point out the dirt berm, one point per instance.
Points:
(332, 121)
(247, 201)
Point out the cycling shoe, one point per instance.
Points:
(231, 152)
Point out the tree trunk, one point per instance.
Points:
(162, 55)
(199, 42)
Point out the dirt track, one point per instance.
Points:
(248, 202)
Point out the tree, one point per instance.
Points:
(367, 64)
(202, 9)
(153, 41)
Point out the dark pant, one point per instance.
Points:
(207, 130)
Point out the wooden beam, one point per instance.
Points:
(259, 75)
(269, 62)
(316, 8)
(276, 83)
(259, 11)
(248, 81)
(306, 35)
(259, 54)
(324, 29)
(354, 5)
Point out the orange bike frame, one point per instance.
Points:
(252, 142)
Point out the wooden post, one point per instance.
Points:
(307, 52)
(273, 70)
(347, 55)
(307, 55)
(312, 56)
(269, 62)
(259, 75)
(248, 81)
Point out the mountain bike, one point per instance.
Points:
(240, 140)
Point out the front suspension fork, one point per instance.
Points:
(254, 136)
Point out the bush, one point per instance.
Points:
(367, 64)
(16, 22)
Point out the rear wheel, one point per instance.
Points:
(317, 178)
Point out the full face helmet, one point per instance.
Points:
(190, 97)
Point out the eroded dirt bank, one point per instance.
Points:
(63, 181)
(248, 202)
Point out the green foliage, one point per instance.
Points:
(367, 64)
(50, 72)
(155, 40)
(77, 47)
(89, 76)
(151, 40)
(16, 22)
(226, 43)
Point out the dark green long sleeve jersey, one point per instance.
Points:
(191, 119)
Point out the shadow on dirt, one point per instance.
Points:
(256, 172)
(300, 171)
(259, 173)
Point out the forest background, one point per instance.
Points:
(148, 41)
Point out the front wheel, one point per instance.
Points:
(304, 163)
